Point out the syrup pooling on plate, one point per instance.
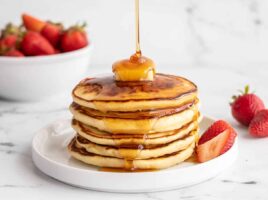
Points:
(122, 170)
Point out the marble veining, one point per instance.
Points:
(7, 144)
(244, 182)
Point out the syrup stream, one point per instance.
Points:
(137, 22)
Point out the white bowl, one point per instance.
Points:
(39, 77)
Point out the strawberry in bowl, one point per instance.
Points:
(39, 59)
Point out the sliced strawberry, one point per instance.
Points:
(230, 141)
(212, 148)
(216, 140)
(32, 24)
(215, 129)
(259, 125)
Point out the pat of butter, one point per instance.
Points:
(137, 68)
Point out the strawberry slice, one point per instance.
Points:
(218, 139)
(33, 24)
(212, 148)
(230, 141)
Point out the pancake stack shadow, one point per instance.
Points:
(134, 125)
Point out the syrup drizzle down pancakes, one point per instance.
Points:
(134, 125)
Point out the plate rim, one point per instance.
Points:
(37, 153)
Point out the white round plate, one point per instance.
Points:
(50, 156)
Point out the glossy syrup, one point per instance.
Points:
(137, 67)
(129, 74)
(137, 23)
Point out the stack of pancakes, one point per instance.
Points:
(134, 125)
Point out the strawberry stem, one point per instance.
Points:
(241, 93)
(246, 89)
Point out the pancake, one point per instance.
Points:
(137, 151)
(135, 114)
(104, 138)
(152, 163)
(106, 94)
(134, 124)
(137, 126)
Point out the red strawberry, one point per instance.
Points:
(218, 139)
(10, 37)
(9, 41)
(245, 106)
(74, 38)
(230, 141)
(57, 51)
(34, 44)
(52, 32)
(13, 53)
(32, 24)
(259, 125)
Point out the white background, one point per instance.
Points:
(219, 44)
(230, 34)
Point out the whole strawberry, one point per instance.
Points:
(32, 24)
(9, 41)
(52, 32)
(11, 37)
(74, 38)
(259, 125)
(245, 106)
(34, 44)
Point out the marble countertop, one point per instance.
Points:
(246, 179)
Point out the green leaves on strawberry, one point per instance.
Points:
(11, 37)
(37, 37)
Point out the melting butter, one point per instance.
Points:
(137, 68)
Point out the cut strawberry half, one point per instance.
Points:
(218, 139)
